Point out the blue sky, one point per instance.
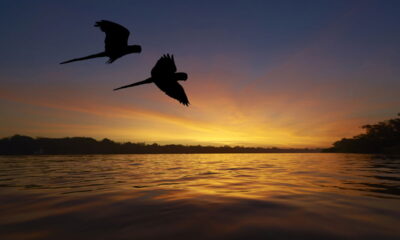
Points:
(265, 73)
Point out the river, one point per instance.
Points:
(200, 196)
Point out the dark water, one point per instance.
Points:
(200, 196)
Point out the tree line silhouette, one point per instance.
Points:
(382, 137)
(24, 145)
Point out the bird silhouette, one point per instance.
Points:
(116, 42)
(166, 78)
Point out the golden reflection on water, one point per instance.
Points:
(236, 175)
(200, 196)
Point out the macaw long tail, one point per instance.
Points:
(149, 80)
(102, 54)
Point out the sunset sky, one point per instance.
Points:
(261, 73)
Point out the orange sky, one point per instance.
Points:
(303, 77)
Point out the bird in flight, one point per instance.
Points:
(166, 78)
(116, 42)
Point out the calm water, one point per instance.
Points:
(200, 196)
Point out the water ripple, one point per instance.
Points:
(200, 196)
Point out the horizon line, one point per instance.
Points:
(167, 144)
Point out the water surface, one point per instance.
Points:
(200, 196)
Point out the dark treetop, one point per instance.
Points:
(382, 137)
(18, 145)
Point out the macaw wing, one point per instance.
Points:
(116, 35)
(174, 90)
(165, 66)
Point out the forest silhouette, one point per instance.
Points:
(24, 145)
(382, 137)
